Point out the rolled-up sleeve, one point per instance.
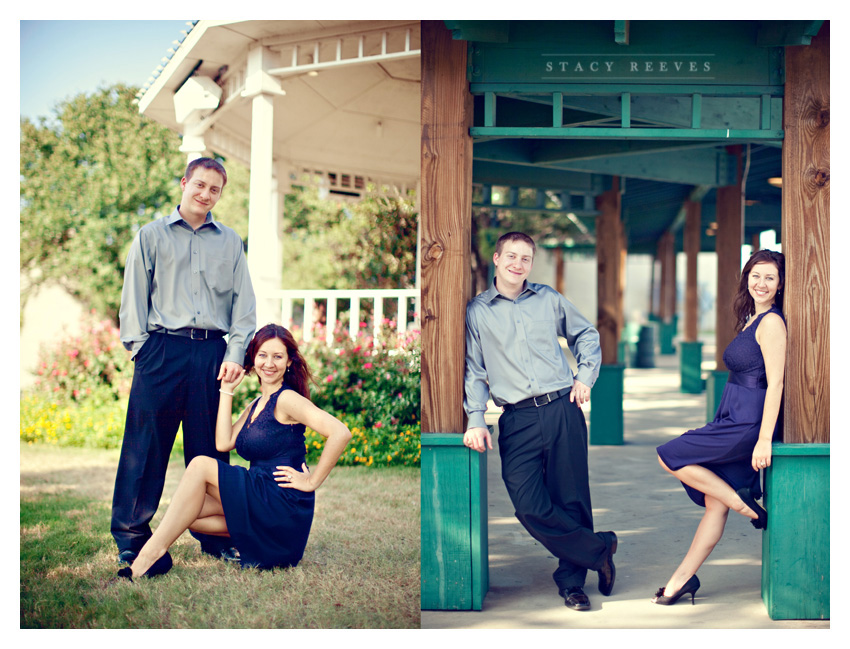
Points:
(476, 388)
(135, 297)
(243, 314)
(583, 340)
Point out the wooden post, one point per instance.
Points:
(608, 266)
(805, 239)
(667, 255)
(454, 555)
(730, 237)
(667, 294)
(559, 270)
(624, 254)
(446, 226)
(606, 423)
(652, 282)
(690, 349)
(693, 220)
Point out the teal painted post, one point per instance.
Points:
(666, 334)
(623, 352)
(795, 546)
(690, 367)
(606, 413)
(713, 391)
(454, 551)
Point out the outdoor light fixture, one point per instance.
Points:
(775, 182)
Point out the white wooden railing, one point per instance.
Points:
(378, 297)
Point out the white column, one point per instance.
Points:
(263, 242)
(193, 144)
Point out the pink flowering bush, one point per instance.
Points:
(92, 364)
(81, 389)
(373, 386)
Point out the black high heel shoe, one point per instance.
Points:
(746, 495)
(159, 567)
(691, 586)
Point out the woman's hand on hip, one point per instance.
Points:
(293, 479)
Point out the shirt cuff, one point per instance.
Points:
(585, 376)
(476, 420)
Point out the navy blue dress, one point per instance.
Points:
(268, 524)
(725, 445)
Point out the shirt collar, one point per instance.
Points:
(492, 293)
(175, 216)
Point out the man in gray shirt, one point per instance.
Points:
(186, 286)
(513, 354)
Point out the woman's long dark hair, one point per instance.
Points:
(298, 375)
(744, 306)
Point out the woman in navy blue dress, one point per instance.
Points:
(719, 463)
(266, 510)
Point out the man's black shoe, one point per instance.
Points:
(607, 573)
(575, 599)
(127, 556)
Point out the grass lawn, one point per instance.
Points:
(360, 568)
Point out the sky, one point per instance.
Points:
(63, 58)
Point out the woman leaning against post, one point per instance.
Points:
(719, 463)
(266, 510)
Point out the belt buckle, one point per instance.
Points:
(192, 334)
(548, 401)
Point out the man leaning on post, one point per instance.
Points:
(186, 286)
(513, 355)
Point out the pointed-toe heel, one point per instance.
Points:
(691, 586)
(746, 495)
(159, 567)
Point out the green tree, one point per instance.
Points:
(334, 243)
(90, 178)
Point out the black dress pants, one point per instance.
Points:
(544, 466)
(174, 382)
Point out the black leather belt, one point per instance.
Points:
(194, 334)
(541, 400)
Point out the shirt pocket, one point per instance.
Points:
(542, 334)
(219, 274)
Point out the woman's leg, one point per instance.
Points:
(211, 519)
(711, 484)
(201, 477)
(708, 534)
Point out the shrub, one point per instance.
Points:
(373, 386)
(80, 398)
(96, 422)
(91, 365)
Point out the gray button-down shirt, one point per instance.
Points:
(512, 348)
(177, 277)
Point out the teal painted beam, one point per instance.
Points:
(561, 151)
(691, 167)
(739, 112)
(489, 109)
(779, 33)
(621, 32)
(696, 114)
(509, 88)
(678, 110)
(727, 136)
(557, 109)
(625, 112)
(495, 173)
(482, 31)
